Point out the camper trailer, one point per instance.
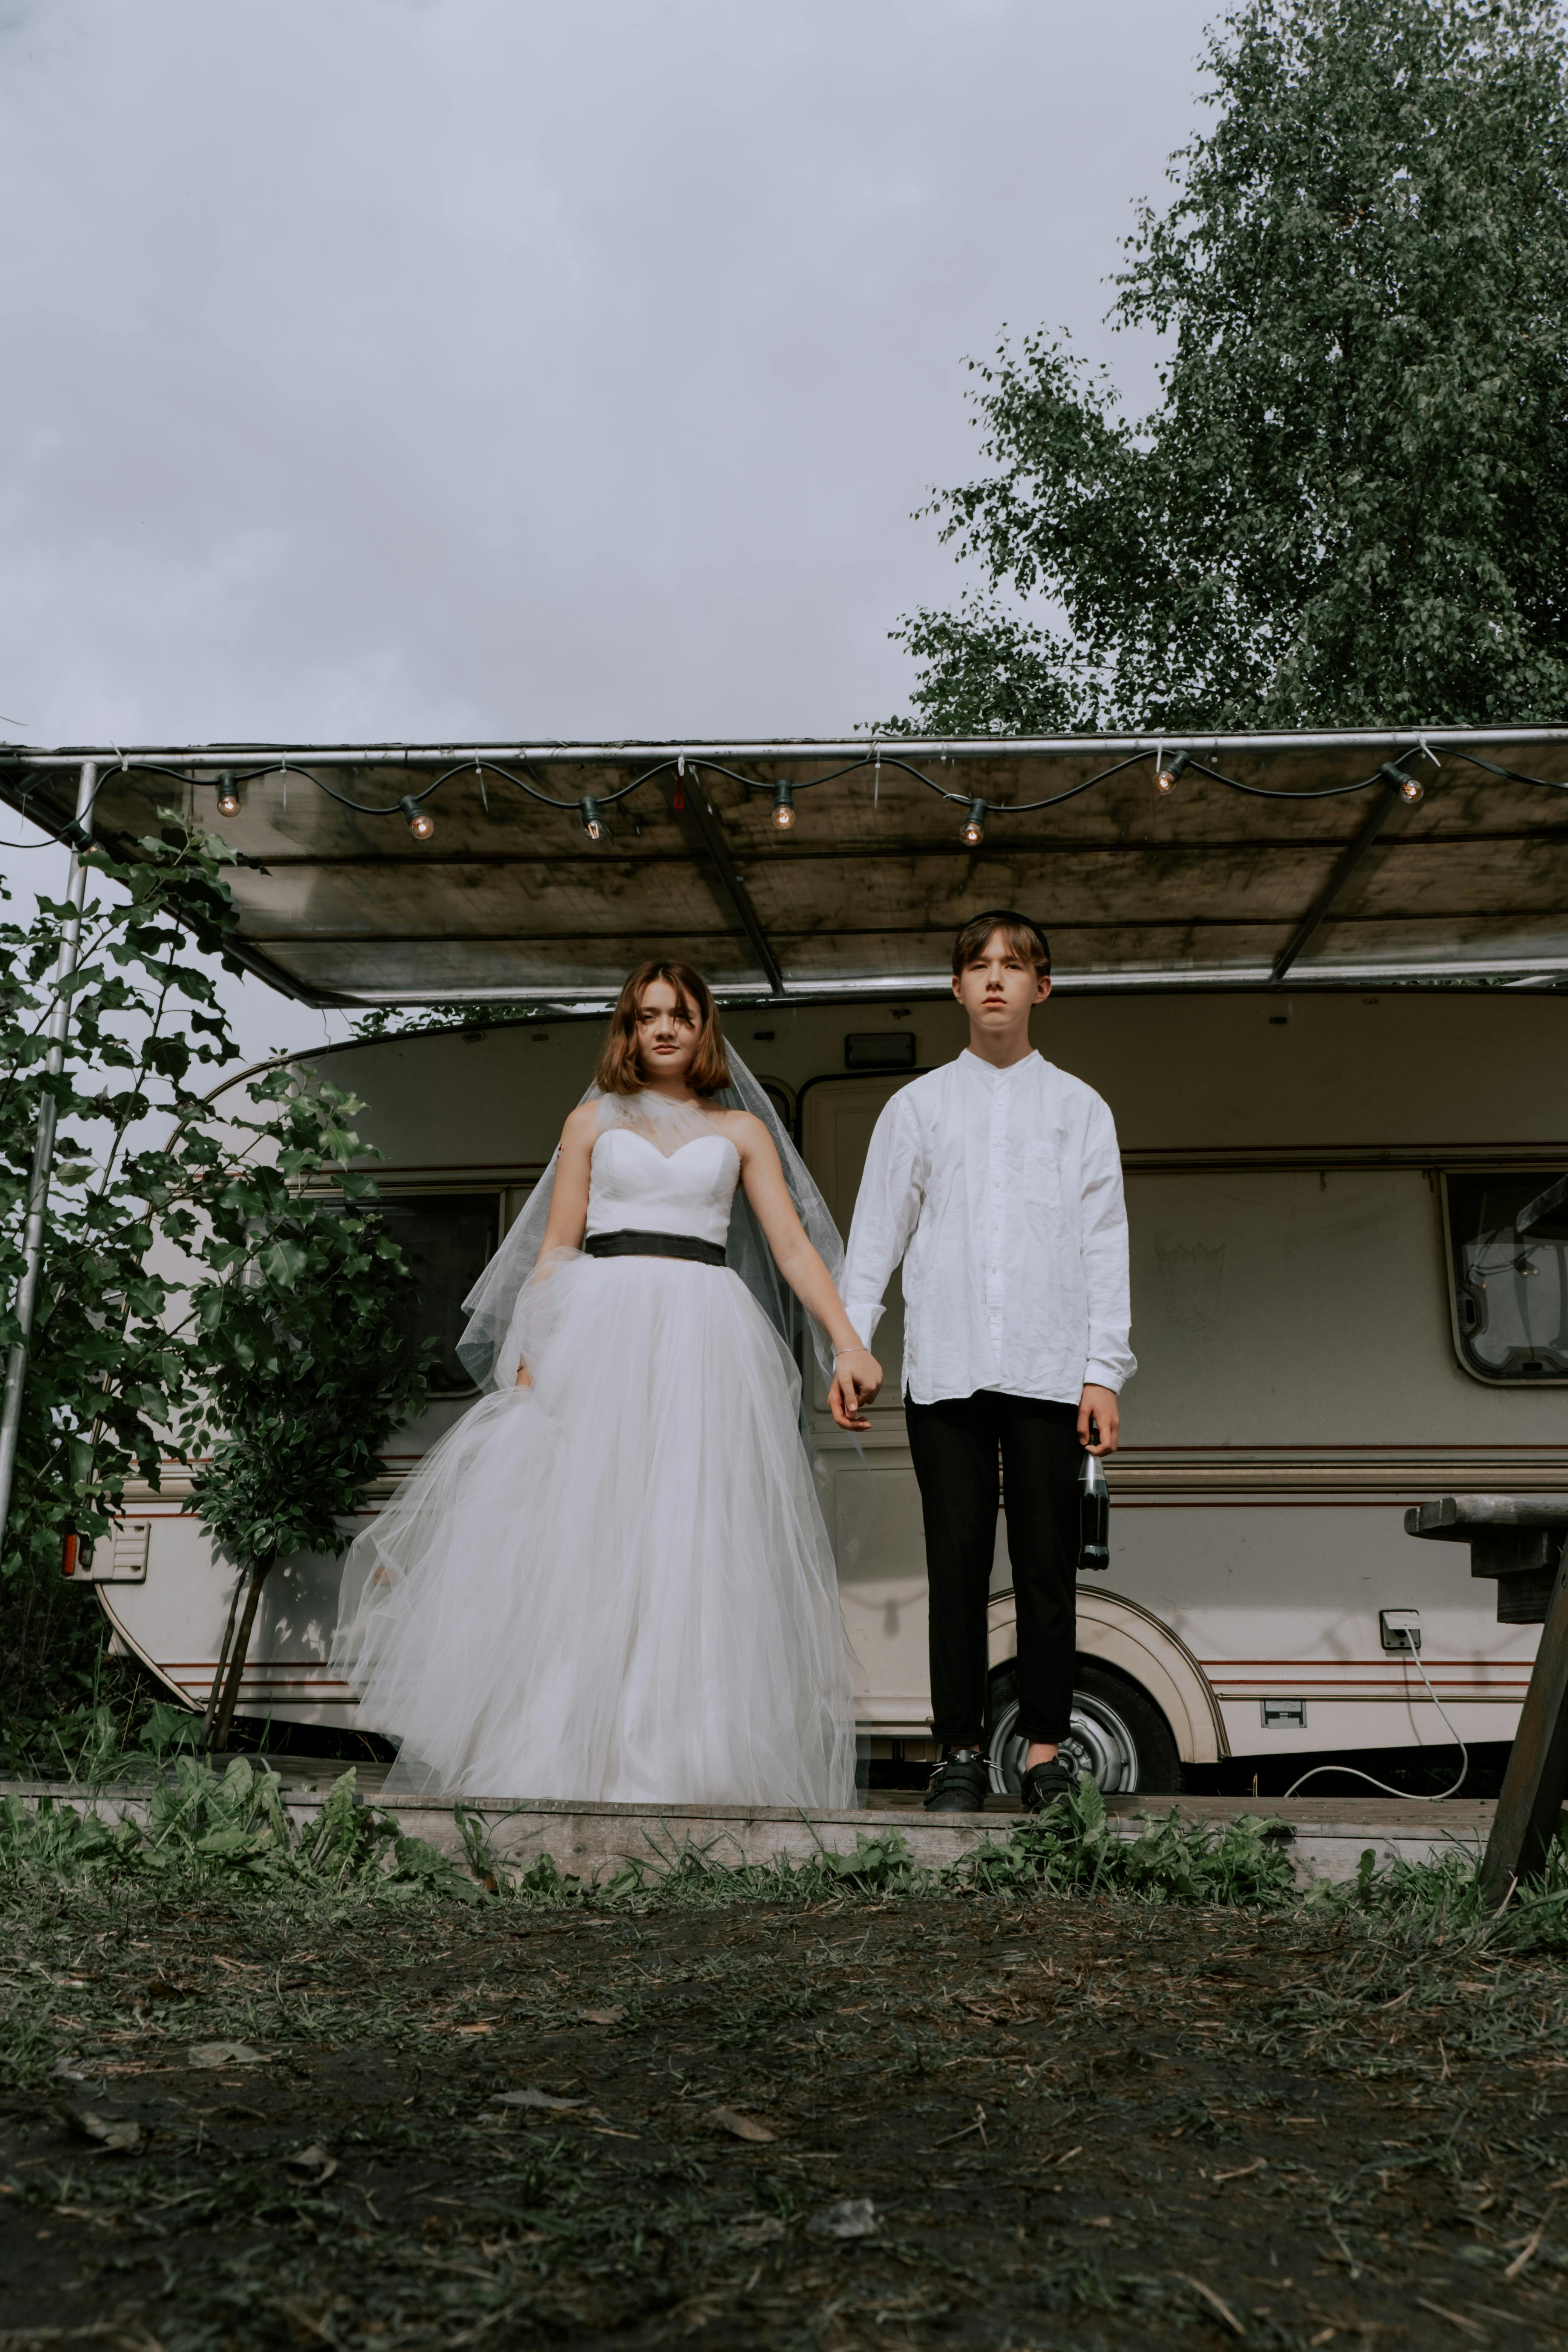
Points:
(1323, 1008)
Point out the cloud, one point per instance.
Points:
(483, 367)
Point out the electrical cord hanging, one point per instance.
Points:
(1170, 762)
(877, 761)
(1267, 793)
(53, 840)
(1545, 783)
(1412, 1651)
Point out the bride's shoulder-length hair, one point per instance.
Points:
(617, 1072)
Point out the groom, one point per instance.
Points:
(998, 1182)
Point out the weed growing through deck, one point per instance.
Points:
(1073, 1849)
(204, 1829)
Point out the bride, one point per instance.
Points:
(612, 1580)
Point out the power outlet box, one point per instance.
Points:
(1400, 1629)
(1283, 1714)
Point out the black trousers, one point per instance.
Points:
(957, 1442)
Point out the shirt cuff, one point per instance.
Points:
(865, 1314)
(1100, 1376)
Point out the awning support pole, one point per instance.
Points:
(703, 831)
(44, 1148)
(1305, 932)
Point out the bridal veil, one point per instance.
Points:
(494, 1303)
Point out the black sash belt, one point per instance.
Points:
(628, 1242)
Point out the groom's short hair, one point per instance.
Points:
(1023, 935)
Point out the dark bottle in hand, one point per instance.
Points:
(1093, 1512)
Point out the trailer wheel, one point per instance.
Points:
(1119, 1737)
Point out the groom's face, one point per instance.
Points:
(998, 988)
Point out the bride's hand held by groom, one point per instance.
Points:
(857, 1383)
(856, 1374)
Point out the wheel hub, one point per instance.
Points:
(1098, 1741)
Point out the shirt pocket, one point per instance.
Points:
(1042, 1188)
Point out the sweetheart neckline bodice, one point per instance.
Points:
(658, 1191)
(692, 1142)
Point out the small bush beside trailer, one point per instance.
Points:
(1335, 1310)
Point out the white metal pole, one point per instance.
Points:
(254, 762)
(44, 1150)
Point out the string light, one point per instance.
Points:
(1405, 786)
(1169, 767)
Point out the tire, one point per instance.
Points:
(1119, 1736)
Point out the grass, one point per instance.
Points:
(202, 1827)
(1077, 2094)
(1078, 2120)
(204, 1830)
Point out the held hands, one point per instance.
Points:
(856, 1381)
(1105, 1408)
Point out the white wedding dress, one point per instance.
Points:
(616, 1584)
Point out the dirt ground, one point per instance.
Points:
(953, 2122)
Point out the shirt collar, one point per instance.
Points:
(989, 1071)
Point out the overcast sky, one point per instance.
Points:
(454, 368)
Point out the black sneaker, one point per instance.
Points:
(958, 1784)
(1044, 1784)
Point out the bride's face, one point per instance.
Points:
(667, 1032)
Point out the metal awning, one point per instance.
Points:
(1270, 855)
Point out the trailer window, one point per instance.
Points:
(1508, 1239)
(446, 1240)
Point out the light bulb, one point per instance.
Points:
(594, 824)
(421, 824)
(975, 823)
(227, 796)
(1405, 786)
(783, 807)
(1168, 774)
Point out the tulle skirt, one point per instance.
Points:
(616, 1584)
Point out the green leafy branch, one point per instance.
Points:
(1348, 507)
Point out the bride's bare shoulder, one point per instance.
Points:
(745, 1129)
(582, 1125)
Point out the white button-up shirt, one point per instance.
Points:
(1001, 1190)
